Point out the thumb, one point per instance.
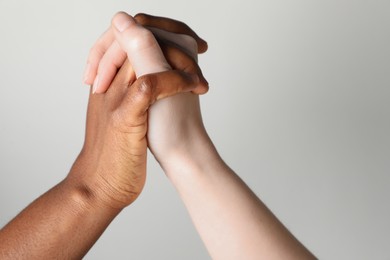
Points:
(140, 45)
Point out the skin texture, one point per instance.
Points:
(231, 220)
(109, 173)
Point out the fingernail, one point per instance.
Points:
(86, 73)
(122, 22)
(95, 84)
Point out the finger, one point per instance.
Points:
(182, 61)
(171, 25)
(114, 56)
(140, 45)
(182, 41)
(181, 53)
(109, 64)
(152, 87)
(95, 55)
(124, 78)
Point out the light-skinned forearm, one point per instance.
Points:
(63, 223)
(231, 220)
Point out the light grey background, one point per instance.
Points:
(298, 106)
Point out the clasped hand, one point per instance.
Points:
(145, 85)
(137, 62)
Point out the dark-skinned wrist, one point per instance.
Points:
(88, 188)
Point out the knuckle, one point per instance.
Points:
(146, 88)
(142, 39)
(95, 52)
(142, 18)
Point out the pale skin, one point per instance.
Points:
(232, 222)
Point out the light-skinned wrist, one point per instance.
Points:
(198, 155)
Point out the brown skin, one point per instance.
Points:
(171, 25)
(109, 173)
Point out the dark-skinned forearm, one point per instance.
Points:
(63, 223)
